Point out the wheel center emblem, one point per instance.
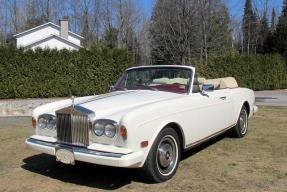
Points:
(167, 155)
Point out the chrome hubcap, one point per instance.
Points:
(167, 155)
(243, 122)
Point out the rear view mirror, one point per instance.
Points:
(207, 87)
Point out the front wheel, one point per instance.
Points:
(241, 127)
(162, 161)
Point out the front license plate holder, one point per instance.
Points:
(65, 155)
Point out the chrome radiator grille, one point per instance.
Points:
(73, 129)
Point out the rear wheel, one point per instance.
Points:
(162, 161)
(241, 127)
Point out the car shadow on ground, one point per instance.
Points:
(85, 174)
(204, 145)
(95, 176)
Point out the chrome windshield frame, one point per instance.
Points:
(190, 82)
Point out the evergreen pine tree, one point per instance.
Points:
(249, 29)
(111, 38)
(86, 33)
(273, 20)
(280, 36)
(263, 33)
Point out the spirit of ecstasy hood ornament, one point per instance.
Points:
(73, 101)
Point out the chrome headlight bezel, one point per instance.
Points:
(99, 129)
(47, 121)
(106, 127)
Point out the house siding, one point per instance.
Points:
(53, 44)
(74, 39)
(38, 34)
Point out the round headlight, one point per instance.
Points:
(110, 130)
(42, 122)
(51, 123)
(99, 129)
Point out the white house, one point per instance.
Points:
(49, 35)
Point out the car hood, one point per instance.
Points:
(123, 100)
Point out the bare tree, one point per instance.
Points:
(107, 14)
(90, 18)
(182, 30)
(127, 19)
(144, 43)
(97, 21)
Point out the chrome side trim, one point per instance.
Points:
(75, 149)
(191, 145)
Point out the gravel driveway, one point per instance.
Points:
(271, 98)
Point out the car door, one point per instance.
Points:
(221, 101)
(209, 113)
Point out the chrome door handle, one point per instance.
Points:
(222, 98)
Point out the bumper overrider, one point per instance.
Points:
(131, 160)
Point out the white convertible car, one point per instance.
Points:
(148, 119)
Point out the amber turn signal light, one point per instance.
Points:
(123, 132)
(33, 122)
(144, 144)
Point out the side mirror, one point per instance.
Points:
(207, 87)
(112, 88)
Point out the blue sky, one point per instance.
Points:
(147, 5)
(236, 7)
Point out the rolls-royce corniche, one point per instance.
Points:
(149, 117)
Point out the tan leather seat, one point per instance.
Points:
(198, 87)
(160, 81)
(228, 82)
(214, 82)
(222, 83)
(179, 80)
(201, 80)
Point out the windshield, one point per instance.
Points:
(173, 79)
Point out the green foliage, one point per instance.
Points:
(52, 73)
(280, 35)
(111, 37)
(264, 34)
(249, 28)
(258, 72)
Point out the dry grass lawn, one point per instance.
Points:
(257, 162)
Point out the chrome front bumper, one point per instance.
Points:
(131, 160)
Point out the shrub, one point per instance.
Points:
(52, 73)
(258, 72)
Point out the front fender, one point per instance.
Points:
(150, 131)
